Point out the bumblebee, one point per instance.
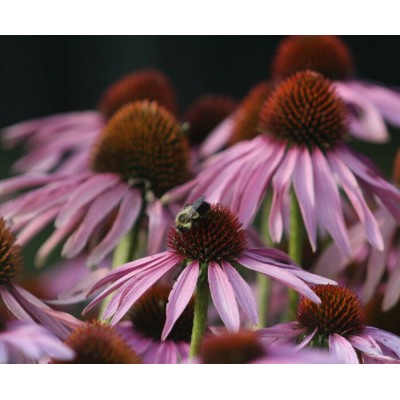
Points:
(191, 213)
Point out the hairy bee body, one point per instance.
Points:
(191, 213)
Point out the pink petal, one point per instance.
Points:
(223, 297)
(387, 339)
(284, 329)
(281, 182)
(84, 194)
(342, 349)
(303, 183)
(243, 292)
(327, 202)
(350, 186)
(128, 214)
(218, 137)
(369, 125)
(97, 212)
(138, 289)
(180, 296)
(281, 275)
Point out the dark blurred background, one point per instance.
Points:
(41, 75)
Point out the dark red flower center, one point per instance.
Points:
(205, 114)
(305, 110)
(145, 145)
(216, 234)
(340, 312)
(148, 316)
(99, 343)
(247, 117)
(327, 55)
(10, 254)
(151, 84)
(231, 348)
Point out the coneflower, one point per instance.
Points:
(303, 127)
(139, 158)
(59, 142)
(337, 323)
(208, 252)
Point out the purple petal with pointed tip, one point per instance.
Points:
(223, 297)
(180, 295)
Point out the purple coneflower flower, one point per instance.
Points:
(27, 342)
(22, 304)
(303, 125)
(337, 323)
(98, 343)
(144, 323)
(139, 158)
(367, 104)
(61, 140)
(213, 248)
(246, 347)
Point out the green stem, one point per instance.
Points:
(122, 254)
(295, 249)
(200, 316)
(263, 290)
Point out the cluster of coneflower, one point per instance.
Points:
(247, 232)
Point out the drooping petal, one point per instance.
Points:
(280, 183)
(128, 213)
(367, 123)
(180, 295)
(343, 349)
(218, 137)
(285, 329)
(138, 289)
(280, 274)
(223, 297)
(327, 202)
(254, 191)
(303, 183)
(98, 210)
(365, 344)
(387, 101)
(353, 191)
(85, 193)
(387, 339)
(243, 292)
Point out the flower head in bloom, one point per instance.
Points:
(143, 325)
(246, 347)
(140, 156)
(22, 304)
(367, 103)
(213, 247)
(98, 343)
(337, 323)
(27, 342)
(302, 146)
(59, 142)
